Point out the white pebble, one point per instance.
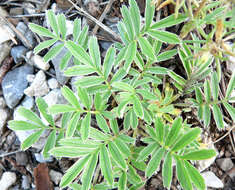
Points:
(55, 176)
(7, 180)
(52, 83)
(212, 180)
(30, 78)
(40, 63)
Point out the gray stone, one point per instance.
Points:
(28, 102)
(14, 83)
(39, 157)
(225, 163)
(39, 86)
(22, 27)
(25, 183)
(30, 78)
(21, 158)
(212, 180)
(4, 115)
(52, 83)
(4, 51)
(17, 52)
(61, 78)
(7, 180)
(2, 102)
(55, 176)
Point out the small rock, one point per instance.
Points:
(28, 102)
(25, 182)
(225, 163)
(4, 51)
(30, 78)
(28, 8)
(21, 158)
(14, 83)
(55, 176)
(39, 157)
(4, 115)
(28, 34)
(2, 102)
(16, 11)
(40, 63)
(52, 83)
(73, 82)
(38, 87)
(17, 52)
(7, 180)
(61, 78)
(212, 180)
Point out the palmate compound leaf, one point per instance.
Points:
(73, 171)
(147, 151)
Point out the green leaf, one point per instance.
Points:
(186, 139)
(49, 144)
(133, 119)
(41, 31)
(231, 86)
(167, 172)
(73, 171)
(78, 142)
(183, 175)
(164, 36)
(218, 116)
(105, 165)
(89, 81)
(125, 150)
(84, 97)
(85, 127)
(119, 75)
(169, 21)
(199, 95)
(135, 16)
(102, 123)
(166, 55)
(53, 52)
(195, 176)
(207, 90)
(114, 126)
(79, 53)
(174, 132)
(52, 21)
(127, 120)
(154, 162)
(146, 48)
(215, 85)
(147, 151)
(62, 25)
(123, 86)
(70, 97)
(65, 60)
(42, 106)
(130, 55)
(137, 106)
(116, 155)
(186, 62)
(177, 78)
(79, 70)
(22, 125)
(159, 127)
(61, 108)
(128, 23)
(31, 139)
(29, 115)
(70, 152)
(230, 109)
(94, 51)
(98, 135)
(44, 45)
(149, 13)
(72, 125)
(88, 172)
(76, 29)
(122, 182)
(202, 154)
(109, 61)
(206, 115)
(146, 94)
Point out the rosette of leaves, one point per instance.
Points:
(207, 101)
(112, 106)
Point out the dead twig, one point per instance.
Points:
(106, 10)
(225, 135)
(106, 28)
